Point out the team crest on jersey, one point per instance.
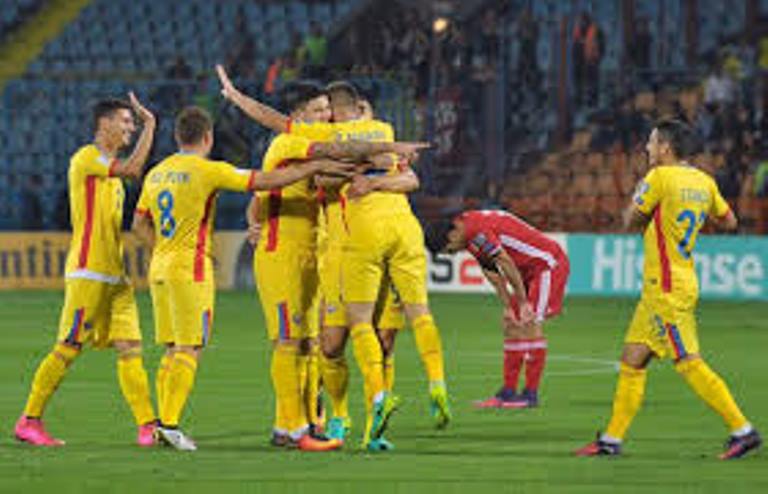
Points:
(641, 189)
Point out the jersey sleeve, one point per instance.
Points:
(482, 242)
(719, 206)
(648, 193)
(98, 165)
(318, 131)
(228, 177)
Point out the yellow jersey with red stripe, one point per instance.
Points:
(289, 215)
(375, 204)
(179, 194)
(96, 205)
(678, 200)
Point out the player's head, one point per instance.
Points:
(456, 238)
(365, 108)
(306, 101)
(194, 130)
(670, 141)
(344, 101)
(113, 122)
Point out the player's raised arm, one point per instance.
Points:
(361, 150)
(261, 113)
(288, 175)
(134, 164)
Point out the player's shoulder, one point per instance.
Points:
(87, 153)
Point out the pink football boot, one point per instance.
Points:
(33, 431)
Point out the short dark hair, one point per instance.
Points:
(297, 94)
(192, 123)
(106, 108)
(342, 93)
(679, 135)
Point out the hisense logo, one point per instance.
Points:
(617, 265)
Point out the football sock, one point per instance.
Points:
(312, 391)
(389, 372)
(285, 380)
(514, 355)
(369, 358)
(428, 343)
(49, 374)
(336, 383)
(178, 386)
(535, 362)
(135, 386)
(626, 402)
(162, 377)
(713, 390)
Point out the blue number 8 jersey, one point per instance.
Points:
(678, 200)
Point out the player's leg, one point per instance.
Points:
(515, 348)
(125, 337)
(178, 387)
(708, 385)
(161, 313)
(84, 303)
(640, 346)
(387, 336)
(389, 319)
(335, 372)
(408, 270)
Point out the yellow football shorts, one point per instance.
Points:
(668, 331)
(183, 311)
(287, 281)
(388, 313)
(329, 270)
(393, 245)
(98, 313)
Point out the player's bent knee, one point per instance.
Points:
(637, 355)
(414, 311)
(66, 352)
(192, 351)
(682, 363)
(127, 348)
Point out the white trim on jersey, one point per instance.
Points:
(87, 274)
(525, 345)
(545, 287)
(528, 250)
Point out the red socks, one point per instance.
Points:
(531, 352)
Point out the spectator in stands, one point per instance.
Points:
(639, 49)
(31, 208)
(719, 87)
(242, 53)
(587, 48)
(61, 213)
(316, 49)
(528, 37)
(180, 69)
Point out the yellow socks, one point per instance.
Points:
(711, 388)
(370, 360)
(178, 385)
(312, 387)
(336, 383)
(389, 372)
(49, 374)
(285, 372)
(627, 400)
(135, 386)
(162, 377)
(427, 338)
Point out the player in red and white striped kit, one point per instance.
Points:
(514, 254)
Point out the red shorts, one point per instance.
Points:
(546, 290)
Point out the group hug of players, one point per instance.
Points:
(339, 255)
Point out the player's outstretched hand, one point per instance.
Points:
(141, 111)
(409, 148)
(228, 89)
(359, 187)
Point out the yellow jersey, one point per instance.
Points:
(289, 215)
(678, 199)
(96, 213)
(179, 194)
(375, 204)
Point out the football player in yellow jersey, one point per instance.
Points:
(175, 212)
(671, 204)
(285, 270)
(99, 305)
(375, 216)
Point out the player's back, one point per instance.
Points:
(180, 195)
(679, 199)
(528, 247)
(288, 214)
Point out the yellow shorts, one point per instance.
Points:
(183, 311)
(329, 270)
(98, 313)
(668, 331)
(393, 245)
(288, 285)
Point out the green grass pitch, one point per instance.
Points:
(672, 445)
